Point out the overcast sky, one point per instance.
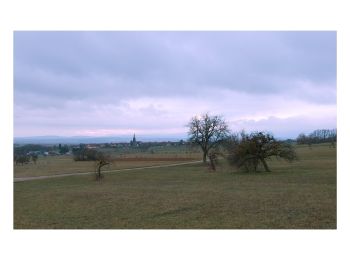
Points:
(152, 83)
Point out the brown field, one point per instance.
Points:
(52, 165)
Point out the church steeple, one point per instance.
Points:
(133, 142)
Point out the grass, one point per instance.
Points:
(52, 165)
(299, 195)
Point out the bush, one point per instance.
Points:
(248, 151)
(22, 159)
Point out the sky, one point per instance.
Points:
(153, 82)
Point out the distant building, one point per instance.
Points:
(133, 142)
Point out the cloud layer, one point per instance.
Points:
(111, 83)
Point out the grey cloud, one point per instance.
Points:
(85, 72)
(163, 63)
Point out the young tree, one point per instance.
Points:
(102, 159)
(207, 132)
(248, 151)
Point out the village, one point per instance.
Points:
(27, 153)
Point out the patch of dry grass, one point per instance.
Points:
(52, 165)
(299, 195)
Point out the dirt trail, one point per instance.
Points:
(19, 179)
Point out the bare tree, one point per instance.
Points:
(318, 136)
(102, 159)
(207, 132)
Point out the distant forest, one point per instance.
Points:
(318, 136)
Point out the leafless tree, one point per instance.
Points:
(207, 132)
(102, 159)
(318, 136)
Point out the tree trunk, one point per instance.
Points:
(205, 156)
(98, 174)
(265, 164)
(99, 171)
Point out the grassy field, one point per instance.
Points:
(63, 164)
(298, 195)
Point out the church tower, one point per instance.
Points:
(133, 142)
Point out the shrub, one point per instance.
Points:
(248, 151)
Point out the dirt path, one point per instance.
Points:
(111, 171)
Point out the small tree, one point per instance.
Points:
(248, 151)
(207, 132)
(102, 159)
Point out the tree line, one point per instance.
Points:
(83, 153)
(30, 152)
(25, 158)
(246, 151)
(318, 136)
